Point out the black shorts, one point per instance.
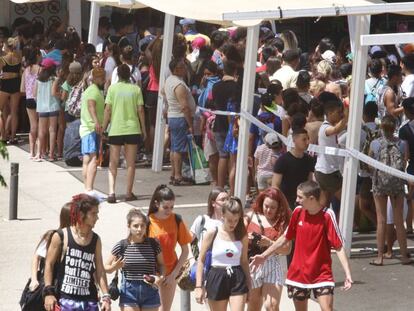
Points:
(69, 118)
(151, 100)
(10, 86)
(30, 103)
(300, 294)
(222, 283)
(121, 140)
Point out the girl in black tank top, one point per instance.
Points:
(81, 265)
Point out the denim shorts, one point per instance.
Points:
(178, 130)
(73, 305)
(138, 294)
(220, 138)
(90, 143)
(49, 114)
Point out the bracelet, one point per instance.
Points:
(49, 291)
(199, 287)
(106, 298)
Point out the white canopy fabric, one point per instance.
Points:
(28, 1)
(116, 3)
(213, 10)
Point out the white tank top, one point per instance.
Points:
(226, 253)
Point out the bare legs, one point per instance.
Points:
(397, 207)
(130, 152)
(89, 171)
(33, 120)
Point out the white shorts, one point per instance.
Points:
(270, 272)
(390, 215)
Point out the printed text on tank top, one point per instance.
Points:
(78, 268)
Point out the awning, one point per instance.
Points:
(28, 1)
(116, 3)
(248, 13)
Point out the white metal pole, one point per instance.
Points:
(351, 29)
(246, 105)
(75, 15)
(167, 44)
(94, 23)
(354, 130)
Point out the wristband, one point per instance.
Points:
(49, 291)
(199, 287)
(106, 298)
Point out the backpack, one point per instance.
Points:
(33, 300)
(74, 102)
(390, 155)
(371, 135)
(371, 95)
(194, 243)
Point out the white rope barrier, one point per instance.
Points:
(321, 149)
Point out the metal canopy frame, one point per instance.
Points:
(281, 13)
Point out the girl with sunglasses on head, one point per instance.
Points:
(228, 280)
(140, 259)
(168, 228)
(214, 216)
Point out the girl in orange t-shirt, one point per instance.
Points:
(169, 229)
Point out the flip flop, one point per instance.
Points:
(407, 263)
(374, 263)
(385, 256)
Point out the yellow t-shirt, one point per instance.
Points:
(165, 230)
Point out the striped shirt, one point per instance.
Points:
(140, 259)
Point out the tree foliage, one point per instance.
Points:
(4, 154)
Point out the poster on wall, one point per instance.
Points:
(45, 13)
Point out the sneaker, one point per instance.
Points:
(97, 195)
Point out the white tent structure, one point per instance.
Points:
(250, 13)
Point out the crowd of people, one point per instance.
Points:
(243, 250)
(80, 97)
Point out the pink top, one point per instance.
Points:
(29, 82)
(153, 84)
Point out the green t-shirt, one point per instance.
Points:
(124, 99)
(66, 87)
(87, 124)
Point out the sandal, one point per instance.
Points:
(375, 263)
(131, 197)
(111, 198)
(388, 256)
(181, 182)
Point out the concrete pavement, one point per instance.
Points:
(43, 189)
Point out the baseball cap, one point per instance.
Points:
(377, 52)
(329, 56)
(187, 21)
(75, 67)
(48, 63)
(272, 140)
(198, 43)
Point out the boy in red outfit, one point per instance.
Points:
(316, 232)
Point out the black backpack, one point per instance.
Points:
(33, 300)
